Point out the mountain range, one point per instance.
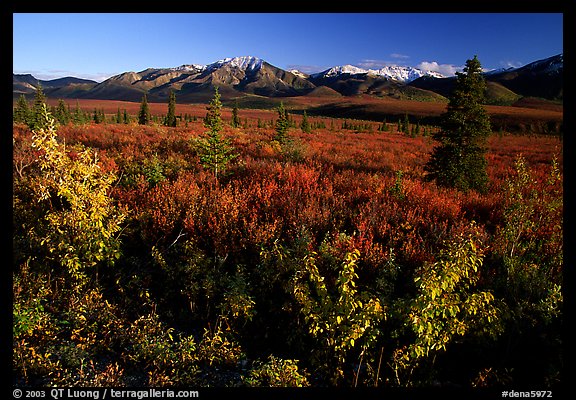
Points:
(251, 76)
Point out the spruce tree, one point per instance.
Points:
(96, 117)
(213, 118)
(78, 116)
(406, 124)
(37, 121)
(144, 113)
(282, 125)
(235, 118)
(22, 111)
(459, 159)
(305, 125)
(62, 114)
(214, 150)
(39, 99)
(170, 119)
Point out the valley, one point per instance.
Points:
(288, 232)
(530, 115)
(524, 99)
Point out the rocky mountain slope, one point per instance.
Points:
(248, 75)
(542, 78)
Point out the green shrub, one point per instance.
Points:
(276, 372)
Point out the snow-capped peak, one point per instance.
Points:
(403, 74)
(244, 63)
(341, 69)
(298, 73)
(498, 71)
(548, 65)
(190, 67)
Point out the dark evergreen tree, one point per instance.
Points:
(305, 125)
(126, 117)
(37, 120)
(22, 111)
(78, 115)
(98, 116)
(235, 118)
(61, 113)
(213, 118)
(215, 151)
(382, 127)
(170, 119)
(282, 124)
(406, 124)
(144, 113)
(39, 98)
(459, 159)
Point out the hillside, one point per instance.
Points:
(68, 87)
(542, 78)
(251, 76)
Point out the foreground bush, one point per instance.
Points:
(337, 267)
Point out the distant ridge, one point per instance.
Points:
(542, 78)
(250, 75)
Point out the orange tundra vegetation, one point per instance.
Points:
(327, 260)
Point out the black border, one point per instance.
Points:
(432, 6)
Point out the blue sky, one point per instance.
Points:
(97, 46)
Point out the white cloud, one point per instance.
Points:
(444, 69)
(401, 56)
